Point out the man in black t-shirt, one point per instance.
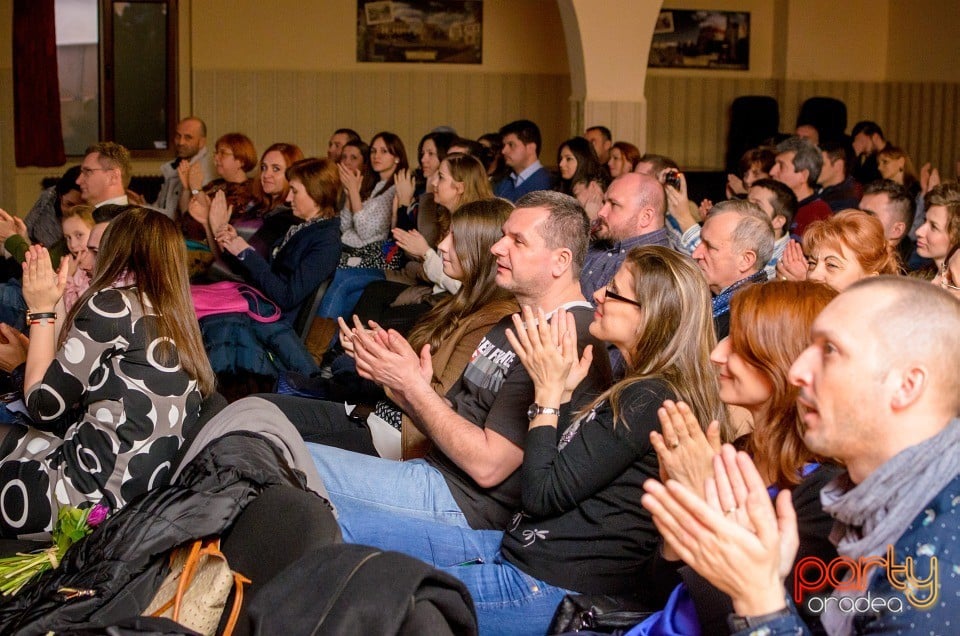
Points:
(471, 477)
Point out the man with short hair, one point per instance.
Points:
(633, 214)
(471, 476)
(105, 174)
(867, 140)
(736, 241)
(780, 205)
(521, 152)
(879, 394)
(798, 167)
(892, 204)
(340, 138)
(190, 169)
(839, 190)
(601, 139)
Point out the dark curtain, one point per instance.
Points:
(38, 135)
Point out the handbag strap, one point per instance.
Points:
(238, 581)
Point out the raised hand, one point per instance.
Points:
(42, 285)
(8, 225)
(735, 186)
(199, 208)
(734, 539)
(405, 182)
(684, 452)
(351, 179)
(548, 351)
(219, 213)
(793, 264)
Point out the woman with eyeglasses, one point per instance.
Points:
(581, 527)
(234, 156)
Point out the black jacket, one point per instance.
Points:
(124, 559)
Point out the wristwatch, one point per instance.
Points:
(194, 192)
(535, 410)
(736, 623)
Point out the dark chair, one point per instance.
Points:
(308, 311)
(753, 120)
(827, 114)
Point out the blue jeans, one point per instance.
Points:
(375, 497)
(508, 600)
(345, 290)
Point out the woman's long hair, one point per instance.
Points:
(264, 202)
(395, 145)
(910, 180)
(476, 227)
(469, 171)
(588, 166)
(769, 328)
(861, 233)
(146, 247)
(675, 334)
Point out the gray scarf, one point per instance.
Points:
(876, 512)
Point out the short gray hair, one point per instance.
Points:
(754, 231)
(807, 157)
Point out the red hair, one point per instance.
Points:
(861, 233)
(769, 328)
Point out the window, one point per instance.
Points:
(117, 73)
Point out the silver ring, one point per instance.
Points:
(730, 511)
(675, 446)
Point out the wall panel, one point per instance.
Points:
(306, 106)
(688, 116)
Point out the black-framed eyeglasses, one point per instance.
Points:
(607, 293)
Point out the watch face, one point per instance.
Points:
(532, 411)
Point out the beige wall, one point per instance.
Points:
(520, 36)
(837, 40)
(923, 42)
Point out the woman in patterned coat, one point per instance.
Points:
(108, 402)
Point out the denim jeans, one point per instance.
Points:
(345, 290)
(360, 486)
(508, 600)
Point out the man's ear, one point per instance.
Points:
(899, 229)
(748, 260)
(912, 384)
(778, 221)
(562, 261)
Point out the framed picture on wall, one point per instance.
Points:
(701, 39)
(420, 31)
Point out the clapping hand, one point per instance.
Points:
(734, 539)
(793, 264)
(684, 452)
(13, 348)
(548, 351)
(219, 212)
(411, 242)
(228, 240)
(42, 285)
(351, 179)
(10, 225)
(406, 183)
(199, 208)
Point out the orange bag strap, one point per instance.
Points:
(189, 569)
(238, 582)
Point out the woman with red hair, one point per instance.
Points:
(840, 250)
(769, 328)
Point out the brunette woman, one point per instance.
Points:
(396, 305)
(129, 359)
(577, 161)
(365, 226)
(452, 328)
